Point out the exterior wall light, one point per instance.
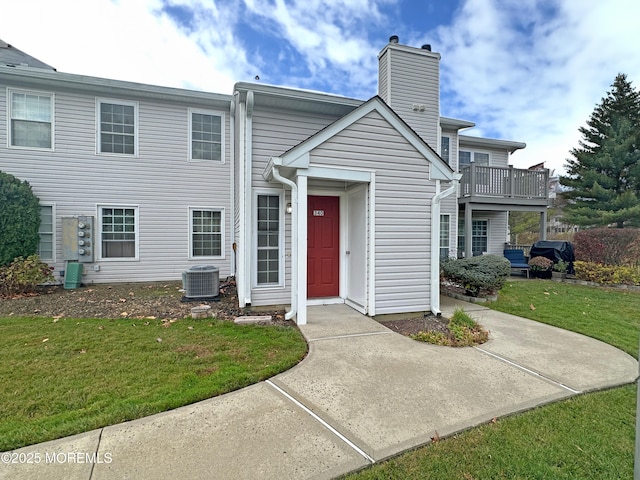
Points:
(289, 208)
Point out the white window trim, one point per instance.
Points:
(114, 101)
(448, 161)
(254, 246)
(10, 92)
(480, 219)
(222, 134)
(98, 233)
(440, 247)
(473, 154)
(222, 233)
(53, 236)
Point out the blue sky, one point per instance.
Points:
(524, 70)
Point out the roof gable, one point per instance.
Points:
(298, 156)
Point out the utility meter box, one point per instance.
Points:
(78, 240)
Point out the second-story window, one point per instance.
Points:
(445, 149)
(206, 135)
(31, 120)
(465, 157)
(117, 127)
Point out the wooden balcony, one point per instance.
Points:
(506, 186)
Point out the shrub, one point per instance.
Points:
(464, 332)
(609, 246)
(486, 273)
(607, 274)
(561, 266)
(540, 264)
(23, 275)
(19, 219)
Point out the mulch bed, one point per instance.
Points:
(155, 300)
(411, 326)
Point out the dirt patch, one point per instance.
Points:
(148, 300)
(412, 326)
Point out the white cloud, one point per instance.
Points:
(127, 40)
(534, 70)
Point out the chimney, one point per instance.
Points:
(409, 82)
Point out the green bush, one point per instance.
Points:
(19, 219)
(607, 274)
(486, 273)
(23, 275)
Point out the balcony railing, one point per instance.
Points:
(507, 182)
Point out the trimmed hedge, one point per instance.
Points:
(19, 219)
(607, 274)
(485, 273)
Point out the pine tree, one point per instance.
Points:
(604, 173)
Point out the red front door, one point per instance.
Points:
(323, 247)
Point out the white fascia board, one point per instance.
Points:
(341, 174)
(82, 83)
(469, 141)
(440, 170)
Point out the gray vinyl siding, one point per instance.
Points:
(160, 181)
(403, 208)
(497, 234)
(274, 132)
(414, 78)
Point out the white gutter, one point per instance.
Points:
(247, 239)
(275, 171)
(435, 241)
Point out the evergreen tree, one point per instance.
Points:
(604, 173)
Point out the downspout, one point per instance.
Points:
(294, 243)
(232, 166)
(435, 241)
(247, 240)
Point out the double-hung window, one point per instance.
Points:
(465, 157)
(479, 237)
(206, 232)
(31, 120)
(117, 127)
(118, 232)
(269, 239)
(206, 135)
(46, 247)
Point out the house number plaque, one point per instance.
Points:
(318, 213)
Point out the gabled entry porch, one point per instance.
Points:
(331, 236)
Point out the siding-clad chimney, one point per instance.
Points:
(409, 81)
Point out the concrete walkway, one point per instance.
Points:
(363, 394)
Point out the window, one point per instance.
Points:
(479, 236)
(268, 240)
(465, 158)
(206, 136)
(445, 145)
(117, 124)
(47, 245)
(31, 124)
(118, 232)
(206, 233)
(445, 231)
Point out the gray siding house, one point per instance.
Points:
(306, 198)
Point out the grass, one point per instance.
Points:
(588, 437)
(65, 376)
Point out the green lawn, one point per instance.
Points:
(61, 377)
(588, 437)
